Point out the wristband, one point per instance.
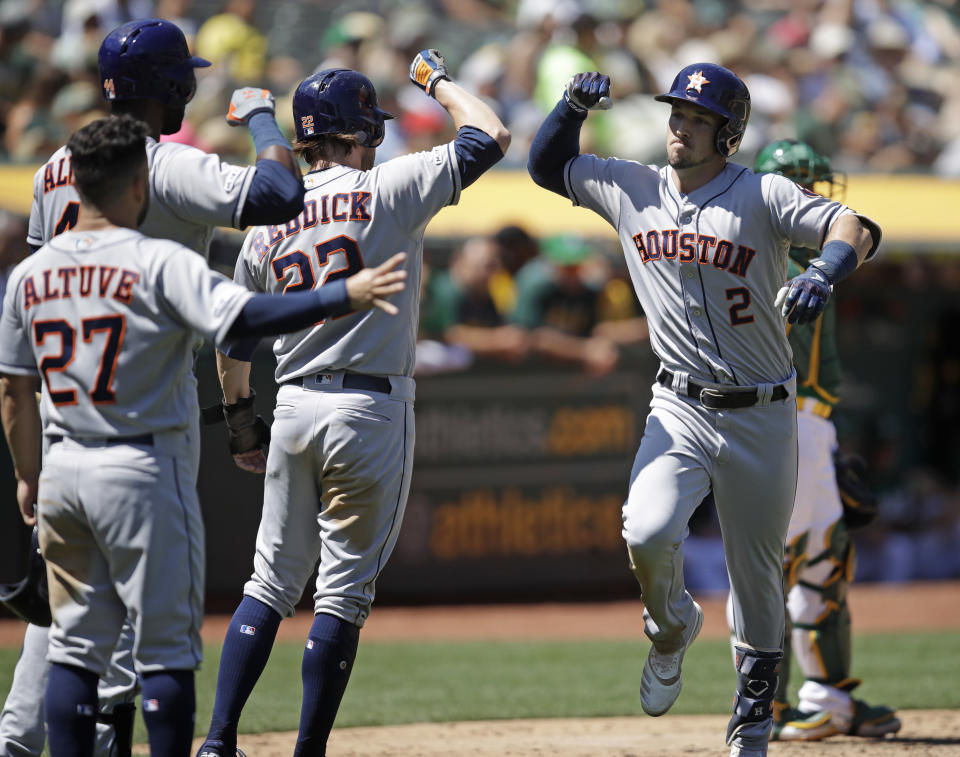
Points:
(837, 260)
(265, 132)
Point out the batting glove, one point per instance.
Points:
(247, 101)
(804, 297)
(427, 69)
(588, 91)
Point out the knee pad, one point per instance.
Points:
(757, 676)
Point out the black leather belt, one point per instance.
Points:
(354, 381)
(146, 439)
(719, 399)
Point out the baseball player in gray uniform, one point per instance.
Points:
(146, 70)
(340, 459)
(706, 244)
(108, 319)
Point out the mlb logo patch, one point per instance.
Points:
(151, 705)
(109, 91)
(248, 630)
(306, 123)
(309, 643)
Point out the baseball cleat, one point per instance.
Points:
(872, 721)
(868, 721)
(661, 682)
(804, 726)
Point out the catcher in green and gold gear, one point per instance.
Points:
(819, 554)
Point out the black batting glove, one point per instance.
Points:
(588, 91)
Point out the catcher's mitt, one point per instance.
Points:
(860, 504)
(29, 598)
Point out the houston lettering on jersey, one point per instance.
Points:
(688, 247)
(341, 206)
(57, 173)
(79, 281)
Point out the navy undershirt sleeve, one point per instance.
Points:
(556, 142)
(476, 152)
(271, 314)
(275, 195)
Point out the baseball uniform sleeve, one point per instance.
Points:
(415, 187)
(35, 225)
(595, 183)
(799, 215)
(199, 187)
(16, 355)
(202, 299)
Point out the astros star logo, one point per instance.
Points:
(697, 80)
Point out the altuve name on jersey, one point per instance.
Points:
(670, 244)
(79, 281)
(57, 174)
(340, 206)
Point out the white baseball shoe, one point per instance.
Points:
(661, 682)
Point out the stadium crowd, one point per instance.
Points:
(869, 83)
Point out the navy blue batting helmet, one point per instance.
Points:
(719, 90)
(339, 101)
(148, 59)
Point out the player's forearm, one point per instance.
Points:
(234, 378)
(468, 110)
(21, 424)
(272, 314)
(850, 229)
(849, 242)
(556, 142)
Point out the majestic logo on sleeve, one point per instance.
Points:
(697, 80)
(670, 244)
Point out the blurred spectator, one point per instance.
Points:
(459, 310)
(232, 42)
(558, 299)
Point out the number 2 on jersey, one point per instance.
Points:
(304, 264)
(114, 326)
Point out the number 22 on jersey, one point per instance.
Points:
(297, 266)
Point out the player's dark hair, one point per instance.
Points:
(323, 147)
(105, 155)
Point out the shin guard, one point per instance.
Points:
(757, 674)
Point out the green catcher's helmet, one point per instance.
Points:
(800, 162)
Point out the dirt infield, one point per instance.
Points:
(886, 609)
(929, 733)
(875, 609)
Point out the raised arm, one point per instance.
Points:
(276, 191)
(482, 139)
(558, 138)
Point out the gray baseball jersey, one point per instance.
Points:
(353, 219)
(341, 456)
(706, 267)
(190, 193)
(108, 320)
(109, 317)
